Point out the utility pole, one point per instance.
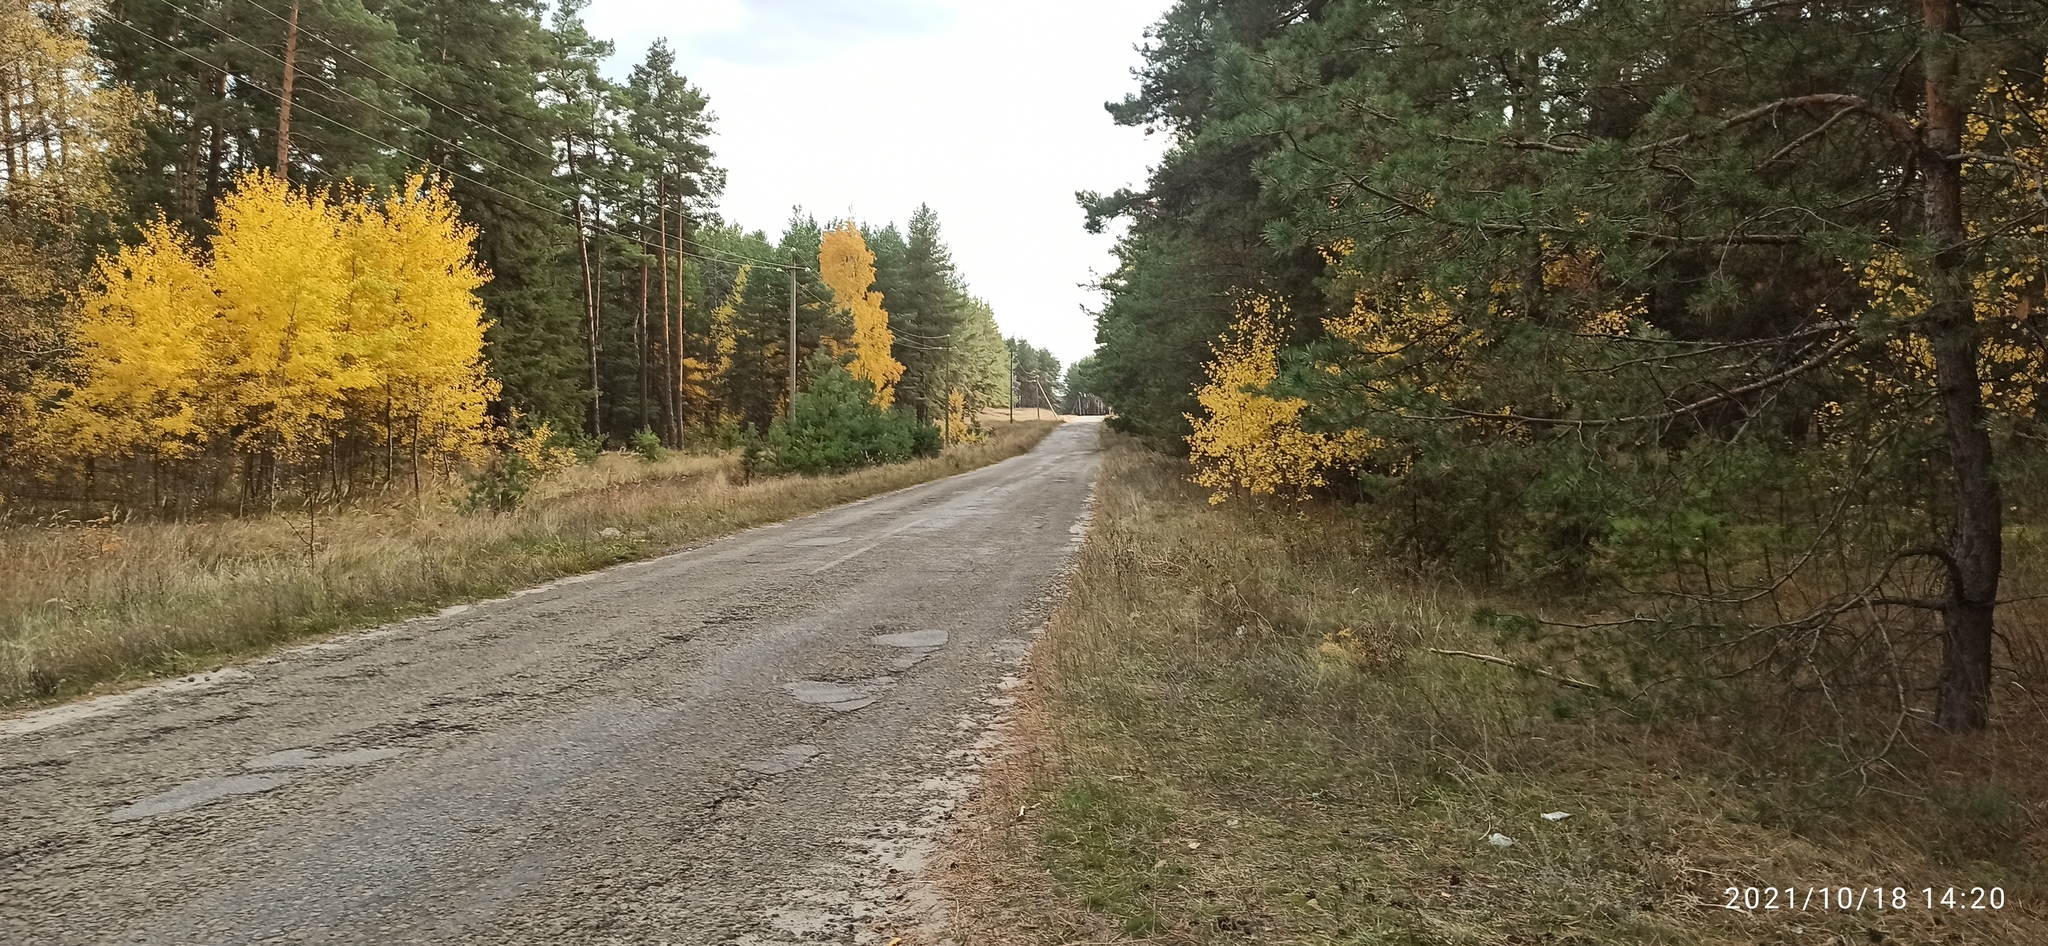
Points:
(1013, 388)
(284, 113)
(792, 341)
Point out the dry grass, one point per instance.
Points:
(1206, 758)
(86, 605)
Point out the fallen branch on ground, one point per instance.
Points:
(1503, 661)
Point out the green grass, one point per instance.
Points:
(85, 606)
(1236, 733)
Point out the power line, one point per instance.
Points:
(727, 258)
(397, 120)
(452, 110)
(643, 242)
(393, 79)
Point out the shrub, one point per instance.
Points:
(500, 487)
(648, 446)
(835, 426)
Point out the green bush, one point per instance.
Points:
(500, 487)
(648, 446)
(835, 427)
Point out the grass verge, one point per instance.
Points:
(1234, 732)
(86, 605)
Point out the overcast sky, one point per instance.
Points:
(990, 112)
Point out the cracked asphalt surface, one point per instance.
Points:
(750, 742)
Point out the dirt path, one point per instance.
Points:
(750, 742)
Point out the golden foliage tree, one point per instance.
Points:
(707, 381)
(317, 319)
(1247, 438)
(848, 267)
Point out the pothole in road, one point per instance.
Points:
(306, 759)
(915, 645)
(195, 793)
(912, 639)
(786, 759)
(832, 696)
(207, 790)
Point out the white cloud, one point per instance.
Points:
(990, 112)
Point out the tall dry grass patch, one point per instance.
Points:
(86, 604)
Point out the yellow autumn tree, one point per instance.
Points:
(287, 353)
(704, 379)
(143, 351)
(317, 319)
(848, 267)
(957, 429)
(1249, 439)
(417, 322)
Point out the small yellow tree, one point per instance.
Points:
(848, 267)
(1247, 439)
(721, 340)
(142, 349)
(957, 429)
(419, 324)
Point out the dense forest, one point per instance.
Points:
(263, 245)
(1723, 317)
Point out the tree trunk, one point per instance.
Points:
(217, 148)
(188, 175)
(666, 379)
(7, 129)
(641, 343)
(1963, 696)
(589, 288)
(284, 98)
(676, 333)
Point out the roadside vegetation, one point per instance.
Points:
(85, 604)
(1627, 412)
(1240, 728)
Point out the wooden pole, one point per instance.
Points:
(792, 341)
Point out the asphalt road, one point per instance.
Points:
(750, 742)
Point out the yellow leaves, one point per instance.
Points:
(2009, 362)
(141, 344)
(1350, 650)
(848, 267)
(1249, 440)
(703, 378)
(538, 449)
(1575, 279)
(957, 428)
(318, 316)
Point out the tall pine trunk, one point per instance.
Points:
(216, 149)
(641, 346)
(589, 290)
(1963, 696)
(677, 332)
(284, 98)
(667, 380)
